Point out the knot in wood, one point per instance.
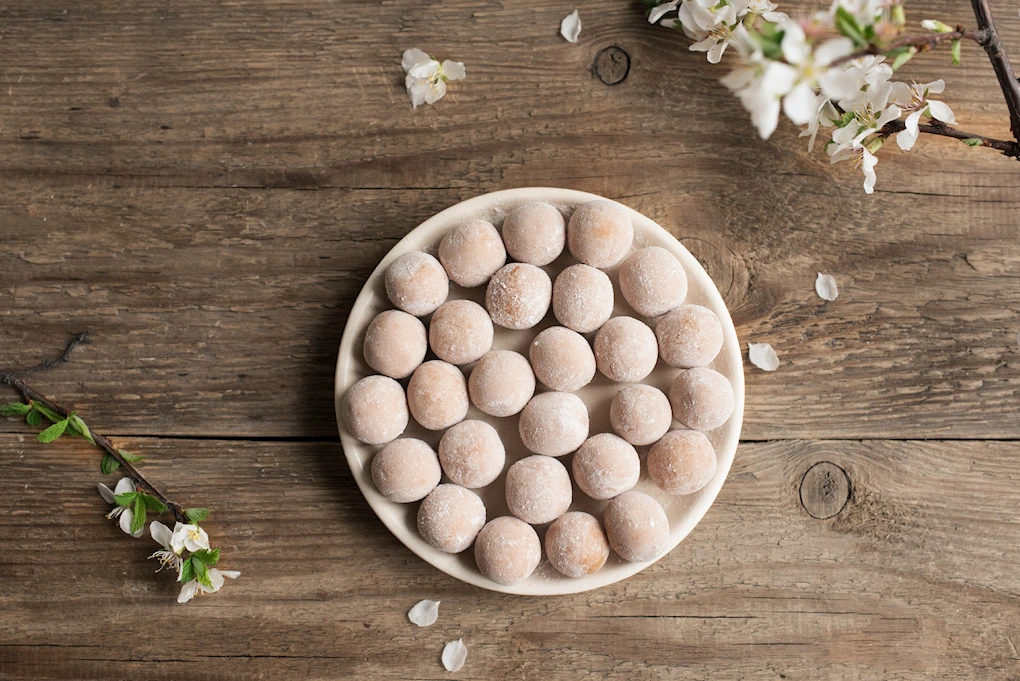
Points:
(824, 490)
(612, 65)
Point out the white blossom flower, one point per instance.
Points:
(426, 77)
(765, 9)
(123, 514)
(914, 98)
(167, 556)
(193, 587)
(871, 110)
(759, 82)
(710, 24)
(825, 114)
(863, 159)
(190, 537)
(662, 10)
(811, 63)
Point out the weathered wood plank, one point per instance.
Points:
(915, 578)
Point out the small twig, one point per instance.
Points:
(921, 42)
(1000, 63)
(1008, 148)
(13, 379)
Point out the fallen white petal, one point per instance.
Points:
(425, 613)
(454, 655)
(825, 287)
(763, 356)
(570, 27)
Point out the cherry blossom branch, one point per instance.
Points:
(1000, 63)
(1008, 148)
(924, 42)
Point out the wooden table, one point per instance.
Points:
(204, 186)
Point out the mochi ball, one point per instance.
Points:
(501, 383)
(450, 517)
(518, 296)
(554, 424)
(538, 489)
(576, 545)
(507, 550)
(395, 343)
(562, 359)
(437, 395)
(582, 298)
(406, 470)
(640, 414)
(653, 281)
(375, 410)
(625, 350)
(460, 332)
(472, 454)
(637, 527)
(417, 283)
(600, 233)
(682, 462)
(689, 336)
(606, 466)
(471, 252)
(702, 399)
(534, 233)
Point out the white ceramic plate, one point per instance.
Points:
(683, 512)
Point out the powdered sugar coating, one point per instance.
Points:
(600, 233)
(702, 399)
(450, 517)
(636, 526)
(653, 281)
(417, 283)
(518, 296)
(406, 470)
(640, 414)
(375, 410)
(437, 395)
(582, 298)
(606, 466)
(682, 462)
(562, 359)
(554, 424)
(507, 550)
(576, 545)
(471, 252)
(535, 233)
(625, 350)
(395, 343)
(501, 383)
(689, 336)
(472, 454)
(460, 332)
(538, 489)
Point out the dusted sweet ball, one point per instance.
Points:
(640, 414)
(471, 252)
(702, 399)
(682, 462)
(600, 233)
(417, 283)
(653, 281)
(554, 424)
(689, 336)
(538, 489)
(625, 350)
(535, 233)
(637, 527)
(472, 454)
(375, 410)
(576, 545)
(518, 296)
(562, 359)
(437, 395)
(460, 332)
(507, 550)
(450, 517)
(582, 298)
(406, 470)
(395, 343)
(606, 466)
(502, 383)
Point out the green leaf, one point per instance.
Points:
(80, 426)
(208, 556)
(126, 499)
(15, 409)
(770, 42)
(187, 571)
(955, 51)
(34, 417)
(138, 519)
(108, 464)
(848, 26)
(129, 457)
(53, 432)
(48, 413)
(901, 56)
(152, 503)
(197, 515)
(972, 142)
(201, 572)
